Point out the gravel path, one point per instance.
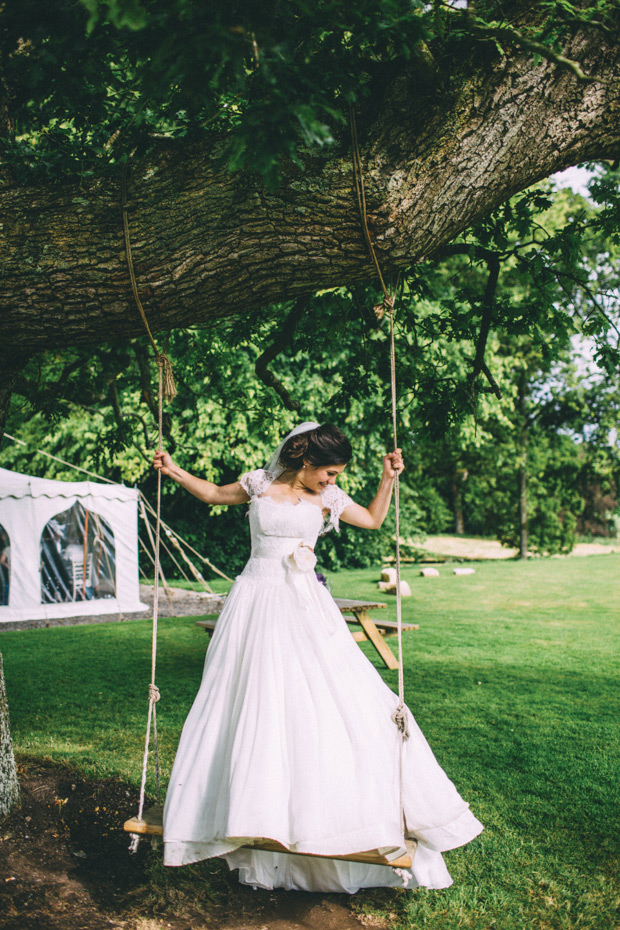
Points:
(467, 548)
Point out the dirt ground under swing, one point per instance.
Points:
(65, 865)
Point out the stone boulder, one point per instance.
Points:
(429, 573)
(389, 575)
(390, 588)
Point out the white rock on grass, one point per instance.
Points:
(464, 571)
(388, 574)
(389, 588)
(429, 573)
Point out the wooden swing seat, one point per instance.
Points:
(151, 824)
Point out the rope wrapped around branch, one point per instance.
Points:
(169, 387)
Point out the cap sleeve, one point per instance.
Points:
(335, 500)
(255, 483)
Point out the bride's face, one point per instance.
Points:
(317, 477)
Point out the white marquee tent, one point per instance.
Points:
(66, 548)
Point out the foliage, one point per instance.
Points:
(267, 82)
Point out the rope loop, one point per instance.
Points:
(400, 719)
(154, 694)
(169, 388)
(170, 391)
(386, 306)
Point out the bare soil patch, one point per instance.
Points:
(65, 865)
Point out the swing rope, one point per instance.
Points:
(163, 361)
(165, 388)
(154, 694)
(387, 306)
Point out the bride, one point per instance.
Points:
(290, 737)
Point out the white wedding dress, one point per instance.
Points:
(291, 738)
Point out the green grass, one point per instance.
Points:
(513, 677)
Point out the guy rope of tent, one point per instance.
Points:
(49, 455)
(150, 823)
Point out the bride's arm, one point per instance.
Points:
(372, 517)
(204, 490)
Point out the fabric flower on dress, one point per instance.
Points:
(301, 559)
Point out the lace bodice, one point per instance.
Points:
(285, 519)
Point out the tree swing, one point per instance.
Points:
(150, 822)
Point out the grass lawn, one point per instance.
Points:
(513, 677)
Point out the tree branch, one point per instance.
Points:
(488, 301)
(515, 37)
(283, 339)
(211, 244)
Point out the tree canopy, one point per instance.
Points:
(86, 84)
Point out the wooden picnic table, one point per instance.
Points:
(356, 614)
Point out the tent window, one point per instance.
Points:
(78, 557)
(5, 566)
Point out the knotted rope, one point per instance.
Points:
(387, 306)
(154, 694)
(169, 389)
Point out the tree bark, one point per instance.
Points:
(460, 476)
(207, 244)
(523, 529)
(523, 443)
(9, 787)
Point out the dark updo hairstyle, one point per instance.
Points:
(325, 445)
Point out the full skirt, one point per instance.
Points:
(291, 738)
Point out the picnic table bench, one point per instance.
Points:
(356, 614)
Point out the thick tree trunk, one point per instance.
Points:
(460, 476)
(9, 788)
(459, 520)
(523, 443)
(207, 244)
(523, 531)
